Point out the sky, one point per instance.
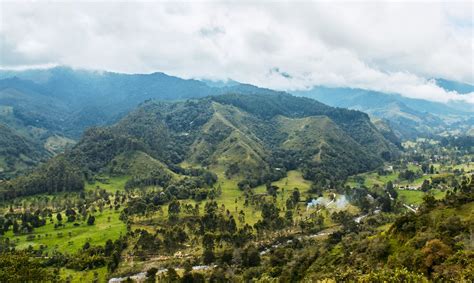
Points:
(396, 47)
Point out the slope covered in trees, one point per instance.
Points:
(17, 152)
(255, 138)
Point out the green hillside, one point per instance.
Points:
(227, 132)
(17, 152)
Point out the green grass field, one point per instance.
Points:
(416, 197)
(70, 239)
(372, 179)
(99, 274)
(111, 184)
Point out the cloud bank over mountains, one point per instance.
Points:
(389, 47)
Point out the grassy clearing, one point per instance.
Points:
(96, 275)
(57, 144)
(371, 179)
(70, 239)
(416, 197)
(111, 184)
(294, 179)
(465, 212)
(469, 167)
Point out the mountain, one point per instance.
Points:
(66, 101)
(252, 137)
(52, 107)
(408, 117)
(17, 152)
(459, 87)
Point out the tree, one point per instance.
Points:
(91, 220)
(289, 217)
(296, 195)
(407, 175)
(151, 274)
(109, 247)
(173, 209)
(425, 186)
(250, 257)
(435, 252)
(429, 200)
(391, 190)
(86, 246)
(271, 189)
(425, 168)
(208, 256)
(172, 275)
(242, 216)
(385, 203)
(16, 227)
(208, 241)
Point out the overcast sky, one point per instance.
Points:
(391, 47)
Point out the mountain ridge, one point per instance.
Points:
(225, 133)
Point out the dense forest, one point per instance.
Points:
(18, 152)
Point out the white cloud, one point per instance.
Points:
(393, 47)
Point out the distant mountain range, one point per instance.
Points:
(408, 117)
(458, 87)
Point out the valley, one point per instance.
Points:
(241, 142)
(239, 187)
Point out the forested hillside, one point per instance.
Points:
(253, 137)
(17, 152)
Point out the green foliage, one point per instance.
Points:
(58, 175)
(225, 131)
(18, 152)
(397, 275)
(22, 267)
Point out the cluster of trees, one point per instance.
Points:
(268, 175)
(460, 142)
(21, 266)
(408, 175)
(150, 201)
(216, 227)
(81, 207)
(58, 175)
(21, 223)
(156, 177)
(271, 219)
(90, 257)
